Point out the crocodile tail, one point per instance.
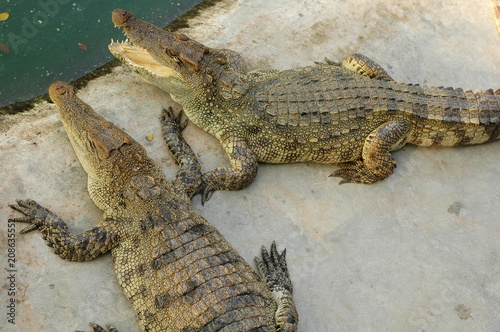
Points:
(496, 132)
(481, 110)
(489, 112)
(450, 117)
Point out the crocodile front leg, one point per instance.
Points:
(239, 176)
(274, 272)
(376, 163)
(189, 176)
(56, 234)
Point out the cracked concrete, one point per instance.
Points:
(417, 251)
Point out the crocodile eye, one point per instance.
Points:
(171, 52)
(181, 37)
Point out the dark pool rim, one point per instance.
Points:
(179, 23)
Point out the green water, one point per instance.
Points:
(47, 40)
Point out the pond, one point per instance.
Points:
(47, 40)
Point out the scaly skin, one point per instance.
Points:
(175, 268)
(350, 114)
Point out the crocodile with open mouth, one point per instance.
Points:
(352, 114)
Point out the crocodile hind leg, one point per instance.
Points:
(376, 163)
(189, 174)
(365, 66)
(274, 271)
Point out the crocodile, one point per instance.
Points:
(176, 269)
(351, 114)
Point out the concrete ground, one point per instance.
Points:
(418, 251)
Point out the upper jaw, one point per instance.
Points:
(83, 124)
(137, 31)
(165, 47)
(135, 50)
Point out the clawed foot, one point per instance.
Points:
(327, 62)
(206, 190)
(172, 123)
(273, 269)
(274, 272)
(357, 172)
(98, 328)
(35, 214)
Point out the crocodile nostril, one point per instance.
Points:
(120, 17)
(59, 88)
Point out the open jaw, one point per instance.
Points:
(139, 58)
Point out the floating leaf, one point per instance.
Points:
(4, 48)
(82, 46)
(149, 137)
(4, 16)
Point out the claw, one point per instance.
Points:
(31, 227)
(355, 172)
(17, 207)
(274, 253)
(178, 119)
(179, 115)
(99, 328)
(184, 124)
(330, 62)
(206, 190)
(265, 256)
(168, 115)
(347, 175)
(207, 194)
(31, 210)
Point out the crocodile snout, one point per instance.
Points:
(120, 17)
(59, 89)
